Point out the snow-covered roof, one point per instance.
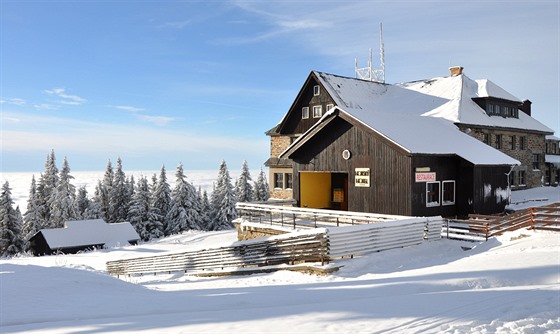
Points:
(428, 135)
(552, 137)
(459, 92)
(90, 232)
(552, 159)
(377, 97)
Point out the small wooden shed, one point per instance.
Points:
(82, 235)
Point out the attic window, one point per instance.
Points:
(317, 111)
(316, 90)
(500, 109)
(305, 113)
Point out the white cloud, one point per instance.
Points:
(157, 120)
(45, 106)
(130, 109)
(13, 101)
(64, 97)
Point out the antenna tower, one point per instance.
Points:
(369, 73)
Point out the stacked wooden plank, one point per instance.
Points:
(308, 246)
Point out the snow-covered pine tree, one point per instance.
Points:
(119, 199)
(161, 203)
(47, 186)
(11, 235)
(82, 203)
(103, 193)
(32, 222)
(138, 213)
(184, 212)
(204, 210)
(243, 186)
(262, 191)
(63, 199)
(222, 201)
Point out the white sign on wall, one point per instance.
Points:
(361, 177)
(425, 177)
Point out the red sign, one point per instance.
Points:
(425, 177)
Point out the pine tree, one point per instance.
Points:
(223, 201)
(262, 191)
(83, 203)
(204, 210)
(11, 234)
(46, 188)
(138, 214)
(243, 188)
(161, 204)
(32, 222)
(63, 206)
(184, 212)
(119, 199)
(103, 193)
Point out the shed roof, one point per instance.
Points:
(89, 232)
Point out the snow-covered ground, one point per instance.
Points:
(510, 284)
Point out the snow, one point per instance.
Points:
(510, 284)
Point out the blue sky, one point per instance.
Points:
(163, 82)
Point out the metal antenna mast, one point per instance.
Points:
(369, 73)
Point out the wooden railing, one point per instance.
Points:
(307, 218)
(482, 227)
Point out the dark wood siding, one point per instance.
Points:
(294, 124)
(490, 189)
(390, 166)
(446, 169)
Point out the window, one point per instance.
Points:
(486, 138)
(432, 193)
(522, 142)
(317, 111)
(513, 142)
(288, 180)
(279, 180)
(305, 112)
(316, 90)
(330, 106)
(511, 179)
(536, 158)
(521, 178)
(498, 141)
(448, 196)
(283, 180)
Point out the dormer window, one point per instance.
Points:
(316, 90)
(499, 108)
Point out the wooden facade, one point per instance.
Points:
(392, 187)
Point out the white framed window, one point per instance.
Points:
(448, 194)
(316, 90)
(279, 180)
(432, 193)
(521, 178)
(330, 106)
(304, 112)
(317, 111)
(283, 180)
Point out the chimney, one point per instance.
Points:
(526, 107)
(456, 70)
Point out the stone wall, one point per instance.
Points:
(534, 144)
(279, 144)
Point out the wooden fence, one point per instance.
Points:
(308, 246)
(480, 227)
(317, 245)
